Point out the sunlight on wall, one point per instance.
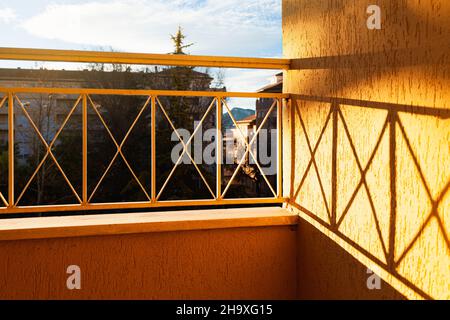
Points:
(369, 131)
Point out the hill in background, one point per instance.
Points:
(238, 114)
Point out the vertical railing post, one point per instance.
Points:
(219, 149)
(292, 151)
(153, 149)
(10, 150)
(279, 149)
(84, 151)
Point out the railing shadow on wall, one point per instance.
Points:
(394, 126)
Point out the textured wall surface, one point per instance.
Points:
(317, 278)
(239, 263)
(368, 135)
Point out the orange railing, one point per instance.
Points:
(11, 200)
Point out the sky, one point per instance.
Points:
(248, 28)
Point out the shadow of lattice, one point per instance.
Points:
(393, 127)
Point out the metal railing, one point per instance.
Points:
(142, 58)
(10, 99)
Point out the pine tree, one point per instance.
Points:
(178, 40)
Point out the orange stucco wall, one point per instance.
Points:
(368, 137)
(326, 271)
(237, 263)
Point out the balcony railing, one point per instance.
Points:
(86, 104)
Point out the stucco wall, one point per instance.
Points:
(326, 271)
(369, 134)
(237, 263)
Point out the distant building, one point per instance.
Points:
(235, 146)
(48, 111)
(240, 136)
(263, 106)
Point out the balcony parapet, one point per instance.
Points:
(130, 223)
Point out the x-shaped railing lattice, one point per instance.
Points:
(185, 147)
(248, 146)
(48, 148)
(118, 147)
(2, 102)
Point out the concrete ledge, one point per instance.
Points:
(110, 224)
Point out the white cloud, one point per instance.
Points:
(7, 15)
(219, 27)
(247, 80)
(239, 80)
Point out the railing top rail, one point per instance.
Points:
(141, 58)
(136, 92)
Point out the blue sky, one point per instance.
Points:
(216, 27)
